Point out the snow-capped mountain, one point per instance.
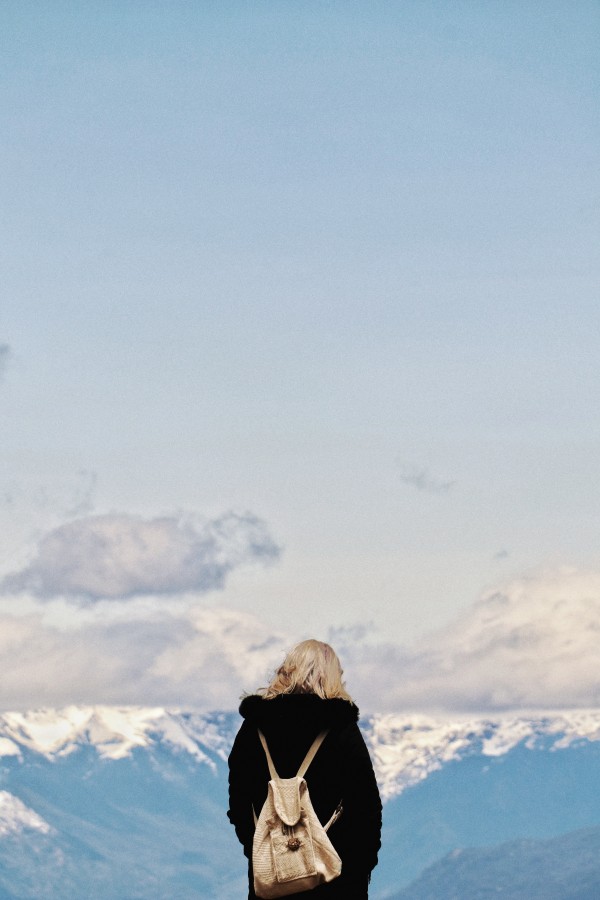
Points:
(16, 817)
(130, 802)
(452, 784)
(406, 749)
(114, 732)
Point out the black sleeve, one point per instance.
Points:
(240, 786)
(361, 819)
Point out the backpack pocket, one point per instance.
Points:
(293, 851)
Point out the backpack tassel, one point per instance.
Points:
(293, 842)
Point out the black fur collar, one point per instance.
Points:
(297, 708)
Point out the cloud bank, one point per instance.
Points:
(532, 644)
(200, 659)
(120, 556)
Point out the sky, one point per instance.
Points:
(299, 329)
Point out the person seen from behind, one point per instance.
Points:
(305, 697)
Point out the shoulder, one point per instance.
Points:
(250, 707)
(332, 713)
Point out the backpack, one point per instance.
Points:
(291, 851)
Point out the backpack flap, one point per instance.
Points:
(286, 793)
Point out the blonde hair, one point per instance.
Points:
(311, 667)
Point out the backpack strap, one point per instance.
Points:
(272, 769)
(336, 814)
(312, 751)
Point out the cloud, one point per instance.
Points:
(224, 653)
(200, 659)
(81, 498)
(5, 353)
(423, 481)
(119, 556)
(531, 644)
(65, 497)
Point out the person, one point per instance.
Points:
(306, 696)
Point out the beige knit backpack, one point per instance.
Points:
(291, 851)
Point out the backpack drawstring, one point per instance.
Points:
(293, 842)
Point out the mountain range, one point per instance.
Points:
(562, 868)
(129, 803)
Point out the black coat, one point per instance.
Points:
(341, 770)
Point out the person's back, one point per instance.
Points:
(307, 696)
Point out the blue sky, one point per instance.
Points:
(331, 264)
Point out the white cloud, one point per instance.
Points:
(200, 659)
(223, 653)
(120, 556)
(532, 644)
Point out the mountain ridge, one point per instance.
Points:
(406, 748)
(92, 792)
(566, 867)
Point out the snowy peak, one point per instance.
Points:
(406, 749)
(114, 732)
(15, 817)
